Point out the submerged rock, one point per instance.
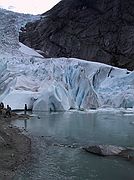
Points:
(132, 123)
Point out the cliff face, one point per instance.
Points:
(96, 30)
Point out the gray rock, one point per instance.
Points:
(88, 29)
(104, 150)
(2, 142)
(110, 150)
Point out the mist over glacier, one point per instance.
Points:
(57, 84)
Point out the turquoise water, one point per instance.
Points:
(80, 129)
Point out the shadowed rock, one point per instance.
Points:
(94, 30)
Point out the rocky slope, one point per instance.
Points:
(15, 147)
(93, 30)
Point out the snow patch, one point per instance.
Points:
(28, 51)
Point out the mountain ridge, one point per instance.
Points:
(101, 31)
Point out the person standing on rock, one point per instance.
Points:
(25, 110)
(8, 111)
(1, 105)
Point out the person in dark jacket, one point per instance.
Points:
(8, 111)
(25, 110)
(1, 105)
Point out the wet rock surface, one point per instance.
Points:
(97, 30)
(111, 150)
(103, 150)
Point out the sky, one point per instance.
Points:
(28, 6)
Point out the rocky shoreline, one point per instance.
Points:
(15, 147)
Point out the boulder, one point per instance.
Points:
(111, 150)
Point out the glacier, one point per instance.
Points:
(60, 84)
(57, 84)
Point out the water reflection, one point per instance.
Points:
(25, 125)
(104, 128)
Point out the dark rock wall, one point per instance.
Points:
(97, 30)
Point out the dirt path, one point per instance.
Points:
(15, 147)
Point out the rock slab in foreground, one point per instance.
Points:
(111, 150)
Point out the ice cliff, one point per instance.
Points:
(63, 83)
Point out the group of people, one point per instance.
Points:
(6, 111)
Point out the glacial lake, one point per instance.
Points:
(53, 161)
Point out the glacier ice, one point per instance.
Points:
(60, 84)
(10, 24)
(55, 98)
(56, 84)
